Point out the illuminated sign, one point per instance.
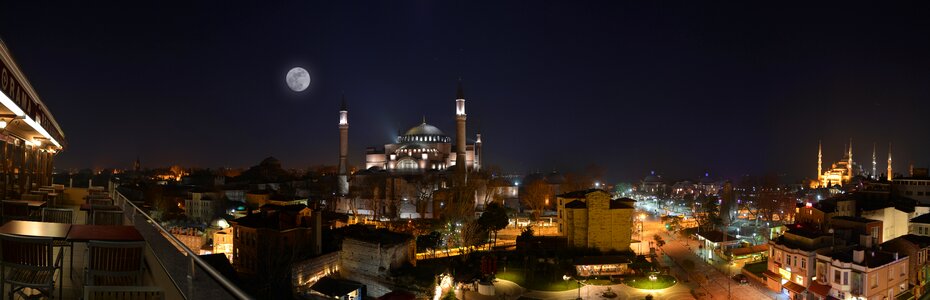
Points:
(786, 274)
(18, 100)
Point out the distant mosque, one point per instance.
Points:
(425, 147)
(842, 172)
(421, 148)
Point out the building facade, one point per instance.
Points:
(591, 219)
(29, 135)
(862, 273)
(916, 248)
(791, 261)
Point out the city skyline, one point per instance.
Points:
(674, 89)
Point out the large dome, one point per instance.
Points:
(424, 129)
(424, 133)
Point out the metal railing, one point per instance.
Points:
(139, 217)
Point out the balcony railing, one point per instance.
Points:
(191, 276)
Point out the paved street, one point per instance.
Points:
(716, 283)
(510, 291)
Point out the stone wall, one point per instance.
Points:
(305, 273)
(370, 263)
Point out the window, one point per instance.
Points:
(845, 278)
(836, 276)
(803, 263)
(799, 279)
(874, 280)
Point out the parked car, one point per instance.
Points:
(742, 279)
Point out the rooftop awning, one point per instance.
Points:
(794, 287)
(819, 289)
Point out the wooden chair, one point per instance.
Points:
(114, 263)
(61, 215)
(107, 217)
(28, 262)
(33, 197)
(14, 210)
(95, 202)
(123, 292)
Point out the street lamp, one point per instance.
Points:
(642, 226)
(566, 278)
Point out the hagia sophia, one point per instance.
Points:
(421, 148)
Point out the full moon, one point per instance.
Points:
(298, 79)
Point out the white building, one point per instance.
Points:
(200, 206)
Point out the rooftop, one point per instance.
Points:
(920, 240)
(922, 219)
(367, 234)
(872, 258)
(855, 219)
(580, 194)
(716, 236)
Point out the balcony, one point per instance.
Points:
(169, 265)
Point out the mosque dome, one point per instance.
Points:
(425, 133)
(424, 129)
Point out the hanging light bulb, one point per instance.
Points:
(2, 124)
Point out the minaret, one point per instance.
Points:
(478, 157)
(849, 163)
(343, 177)
(460, 129)
(820, 164)
(889, 162)
(874, 163)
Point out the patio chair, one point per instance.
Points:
(61, 215)
(114, 263)
(14, 210)
(107, 217)
(28, 262)
(33, 197)
(96, 202)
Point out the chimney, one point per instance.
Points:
(858, 256)
(896, 256)
(866, 240)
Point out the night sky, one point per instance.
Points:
(675, 88)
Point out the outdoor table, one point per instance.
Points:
(34, 204)
(56, 231)
(113, 233)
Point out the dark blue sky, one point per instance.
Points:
(676, 88)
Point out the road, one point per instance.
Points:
(716, 281)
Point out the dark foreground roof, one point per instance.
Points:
(716, 236)
(923, 219)
(335, 287)
(602, 260)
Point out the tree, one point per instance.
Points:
(424, 186)
(429, 242)
(494, 218)
(471, 234)
(534, 197)
(659, 241)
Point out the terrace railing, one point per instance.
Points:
(193, 277)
